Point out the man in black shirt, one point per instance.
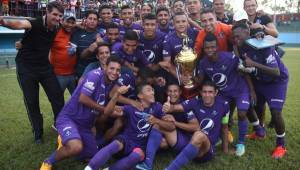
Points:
(33, 66)
(221, 14)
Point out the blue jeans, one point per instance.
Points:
(67, 82)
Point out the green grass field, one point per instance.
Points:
(17, 150)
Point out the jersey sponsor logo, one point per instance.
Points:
(220, 79)
(150, 55)
(143, 125)
(209, 69)
(206, 125)
(89, 85)
(82, 36)
(202, 111)
(271, 59)
(178, 46)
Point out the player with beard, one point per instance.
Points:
(163, 20)
(127, 16)
(270, 79)
(132, 141)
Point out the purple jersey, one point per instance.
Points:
(270, 58)
(137, 127)
(210, 118)
(169, 28)
(93, 86)
(101, 28)
(134, 26)
(224, 73)
(128, 78)
(114, 44)
(153, 48)
(183, 117)
(137, 58)
(173, 44)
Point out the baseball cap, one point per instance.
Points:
(69, 15)
(240, 15)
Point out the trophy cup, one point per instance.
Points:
(185, 62)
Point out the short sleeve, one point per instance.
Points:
(91, 82)
(159, 113)
(190, 115)
(167, 47)
(127, 110)
(200, 68)
(189, 105)
(270, 58)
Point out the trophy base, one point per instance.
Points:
(189, 92)
(189, 86)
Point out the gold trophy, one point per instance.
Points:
(185, 62)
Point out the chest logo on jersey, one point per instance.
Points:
(150, 55)
(206, 125)
(220, 79)
(223, 67)
(221, 35)
(143, 125)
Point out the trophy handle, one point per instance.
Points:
(178, 74)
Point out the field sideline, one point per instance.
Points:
(17, 150)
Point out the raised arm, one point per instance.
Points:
(15, 24)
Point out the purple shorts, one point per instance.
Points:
(69, 130)
(274, 94)
(183, 139)
(242, 99)
(129, 145)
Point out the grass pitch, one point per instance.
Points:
(17, 150)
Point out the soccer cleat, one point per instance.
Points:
(230, 137)
(279, 152)
(240, 150)
(254, 136)
(59, 142)
(46, 166)
(142, 166)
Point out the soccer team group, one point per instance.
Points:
(130, 100)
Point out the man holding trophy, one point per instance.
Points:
(179, 58)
